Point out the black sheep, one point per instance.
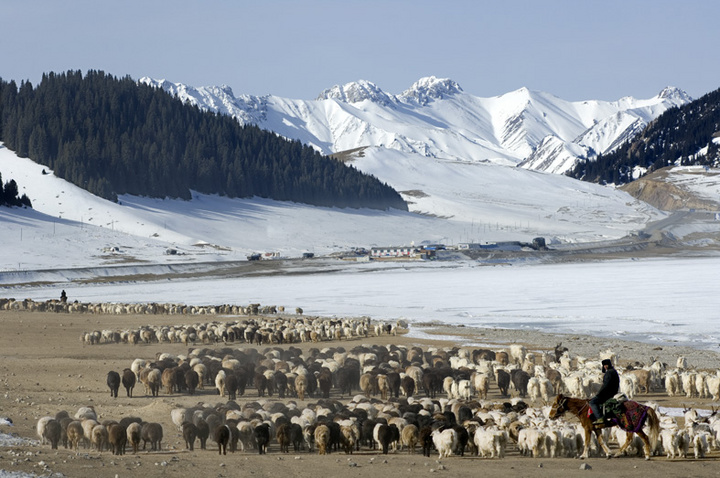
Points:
(113, 381)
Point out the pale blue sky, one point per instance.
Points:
(575, 49)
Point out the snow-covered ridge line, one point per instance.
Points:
(436, 118)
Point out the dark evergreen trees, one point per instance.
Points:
(112, 136)
(9, 195)
(675, 137)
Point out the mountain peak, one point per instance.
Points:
(430, 88)
(355, 92)
(674, 94)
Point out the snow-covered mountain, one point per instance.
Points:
(436, 118)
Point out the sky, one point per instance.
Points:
(574, 50)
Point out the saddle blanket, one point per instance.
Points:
(629, 415)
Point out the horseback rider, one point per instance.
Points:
(610, 386)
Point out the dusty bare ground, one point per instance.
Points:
(44, 369)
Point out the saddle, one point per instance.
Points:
(624, 413)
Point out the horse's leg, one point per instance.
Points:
(628, 440)
(588, 436)
(602, 443)
(646, 442)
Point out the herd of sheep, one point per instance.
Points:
(386, 398)
(251, 330)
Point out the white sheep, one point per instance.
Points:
(481, 384)
(490, 442)
(445, 441)
(220, 382)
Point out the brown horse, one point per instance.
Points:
(579, 408)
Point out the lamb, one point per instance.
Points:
(128, 381)
(117, 437)
(445, 441)
(153, 433)
(113, 382)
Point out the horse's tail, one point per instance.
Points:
(654, 424)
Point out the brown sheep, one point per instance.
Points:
(282, 434)
(99, 437)
(409, 437)
(75, 433)
(117, 437)
(322, 439)
(128, 380)
(168, 379)
(190, 433)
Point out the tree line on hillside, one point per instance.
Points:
(675, 137)
(114, 136)
(10, 196)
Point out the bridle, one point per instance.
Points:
(561, 407)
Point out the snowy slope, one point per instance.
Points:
(436, 118)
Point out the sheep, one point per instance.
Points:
(490, 442)
(168, 380)
(153, 381)
(40, 428)
(409, 437)
(503, 382)
(99, 437)
(52, 432)
(700, 443)
(282, 435)
(481, 383)
(75, 433)
(133, 432)
(222, 437)
(348, 438)
(117, 437)
(203, 432)
(408, 385)
(220, 382)
(445, 441)
(192, 381)
(531, 440)
(128, 381)
(190, 433)
(153, 433)
(464, 390)
(262, 435)
(322, 439)
(301, 383)
(113, 382)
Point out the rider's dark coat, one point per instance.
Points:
(610, 385)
